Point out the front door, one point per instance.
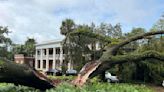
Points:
(50, 64)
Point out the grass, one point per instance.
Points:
(90, 87)
(62, 77)
(101, 87)
(8, 87)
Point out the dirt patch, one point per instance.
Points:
(157, 88)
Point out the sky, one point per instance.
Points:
(41, 19)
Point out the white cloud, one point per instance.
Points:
(41, 19)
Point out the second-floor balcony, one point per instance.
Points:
(56, 56)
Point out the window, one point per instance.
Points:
(50, 51)
(44, 51)
(17, 61)
(64, 51)
(38, 52)
(21, 62)
(38, 64)
(44, 63)
(57, 50)
(57, 63)
(50, 64)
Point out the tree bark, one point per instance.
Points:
(106, 57)
(23, 75)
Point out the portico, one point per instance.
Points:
(50, 55)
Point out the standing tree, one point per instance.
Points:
(30, 46)
(66, 28)
(158, 26)
(3, 31)
(117, 32)
(5, 42)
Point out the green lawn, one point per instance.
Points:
(91, 87)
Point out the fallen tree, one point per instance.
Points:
(105, 61)
(20, 74)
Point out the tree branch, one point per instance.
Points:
(134, 38)
(120, 59)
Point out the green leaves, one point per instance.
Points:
(67, 26)
(6, 87)
(4, 30)
(27, 49)
(86, 32)
(3, 39)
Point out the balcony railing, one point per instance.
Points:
(57, 56)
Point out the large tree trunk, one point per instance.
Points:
(23, 75)
(105, 60)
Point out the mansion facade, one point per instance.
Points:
(50, 55)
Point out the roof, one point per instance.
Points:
(49, 42)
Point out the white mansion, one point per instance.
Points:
(50, 55)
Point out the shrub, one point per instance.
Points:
(90, 87)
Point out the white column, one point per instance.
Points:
(41, 59)
(72, 64)
(69, 65)
(36, 59)
(61, 57)
(54, 58)
(47, 59)
(69, 61)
